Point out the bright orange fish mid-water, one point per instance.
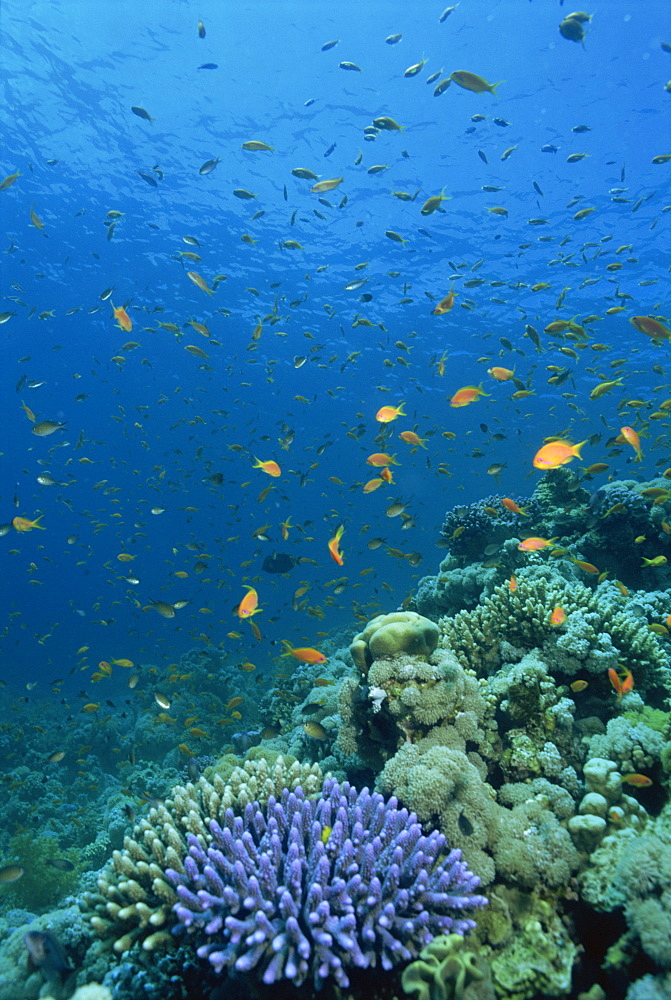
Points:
(444, 305)
(557, 453)
(388, 413)
(270, 467)
(248, 606)
(632, 438)
(23, 524)
(468, 394)
(123, 319)
(334, 545)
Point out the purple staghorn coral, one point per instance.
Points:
(305, 888)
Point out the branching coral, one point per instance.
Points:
(597, 632)
(134, 902)
(306, 890)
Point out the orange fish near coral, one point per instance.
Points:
(248, 606)
(512, 584)
(632, 438)
(124, 322)
(557, 453)
(637, 780)
(334, 545)
(587, 567)
(558, 616)
(512, 507)
(270, 467)
(23, 524)
(535, 544)
(306, 654)
(621, 685)
(467, 394)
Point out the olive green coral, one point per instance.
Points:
(395, 634)
(444, 970)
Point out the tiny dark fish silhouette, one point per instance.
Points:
(141, 113)
(209, 66)
(148, 178)
(330, 150)
(482, 156)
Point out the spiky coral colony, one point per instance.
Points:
(306, 888)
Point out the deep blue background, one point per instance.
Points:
(154, 427)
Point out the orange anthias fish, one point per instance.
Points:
(621, 685)
(513, 508)
(653, 328)
(388, 413)
(411, 438)
(558, 616)
(500, 374)
(248, 606)
(637, 780)
(512, 584)
(632, 438)
(306, 654)
(23, 524)
(467, 394)
(444, 305)
(557, 453)
(124, 322)
(199, 282)
(372, 484)
(380, 458)
(334, 545)
(535, 544)
(272, 468)
(587, 567)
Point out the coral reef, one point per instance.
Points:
(597, 632)
(306, 891)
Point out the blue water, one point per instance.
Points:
(153, 427)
